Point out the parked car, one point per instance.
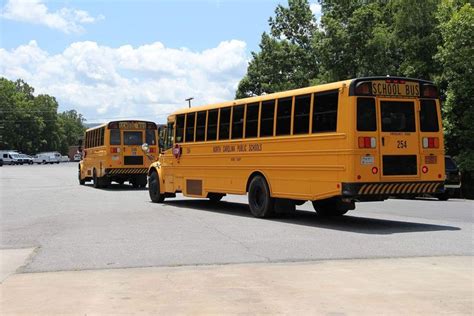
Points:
(26, 159)
(1, 162)
(77, 157)
(64, 158)
(452, 183)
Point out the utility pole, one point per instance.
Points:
(189, 101)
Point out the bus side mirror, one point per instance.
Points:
(79, 149)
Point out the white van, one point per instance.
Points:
(11, 158)
(47, 157)
(43, 158)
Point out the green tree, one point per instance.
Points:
(71, 127)
(456, 56)
(285, 60)
(31, 123)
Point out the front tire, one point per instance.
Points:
(154, 188)
(81, 182)
(260, 202)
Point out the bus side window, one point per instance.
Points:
(267, 118)
(212, 125)
(180, 128)
(150, 137)
(283, 116)
(224, 124)
(325, 111)
(428, 116)
(238, 122)
(190, 122)
(301, 116)
(251, 120)
(201, 126)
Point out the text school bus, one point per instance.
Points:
(357, 140)
(113, 152)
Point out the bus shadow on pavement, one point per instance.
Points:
(348, 223)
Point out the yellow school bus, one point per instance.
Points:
(363, 139)
(113, 152)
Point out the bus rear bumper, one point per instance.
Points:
(125, 171)
(385, 189)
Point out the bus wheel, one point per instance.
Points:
(96, 180)
(260, 202)
(331, 207)
(81, 182)
(154, 188)
(215, 197)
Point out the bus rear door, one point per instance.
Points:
(399, 141)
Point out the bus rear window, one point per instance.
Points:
(398, 116)
(115, 137)
(428, 116)
(366, 117)
(132, 138)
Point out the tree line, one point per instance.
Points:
(32, 124)
(429, 39)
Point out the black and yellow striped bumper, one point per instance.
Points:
(392, 188)
(125, 171)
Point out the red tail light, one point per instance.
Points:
(424, 169)
(152, 150)
(367, 142)
(430, 142)
(114, 150)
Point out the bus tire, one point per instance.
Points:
(154, 188)
(81, 181)
(260, 202)
(96, 180)
(330, 207)
(215, 197)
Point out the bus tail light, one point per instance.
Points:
(424, 169)
(114, 150)
(152, 150)
(430, 142)
(375, 170)
(367, 142)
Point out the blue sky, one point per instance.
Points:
(111, 59)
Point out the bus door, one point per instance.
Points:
(398, 137)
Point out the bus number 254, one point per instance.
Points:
(402, 144)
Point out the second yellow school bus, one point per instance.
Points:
(335, 144)
(113, 152)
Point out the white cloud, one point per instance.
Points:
(148, 81)
(34, 11)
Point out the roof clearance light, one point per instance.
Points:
(363, 88)
(430, 91)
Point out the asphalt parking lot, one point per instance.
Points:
(72, 249)
(74, 227)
